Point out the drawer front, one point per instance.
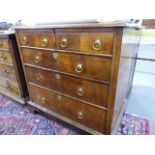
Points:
(6, 57)
(4, 43)
(87, 66)
(88, 116)
(43, 98)
(38, 58)
(8, 72)
(97, 42)
(36, 38)
(82, 89)
(44, 78)
(9, 88)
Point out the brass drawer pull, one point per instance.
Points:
(6, 71)
(45, 42)
(79, 68)
(80, 115)
(43, 100)
(97, 45)
(64, 43)
(55, 56)
(24, 41)
(80, 91)
(36, 59)
(8, 86)
(58, 76)
(38, 77)
(4, 57)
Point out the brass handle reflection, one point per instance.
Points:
(24, 41)
(45, 42)
(55, 56)
(80, 115)
(80, 91)
(43, 100)
(79, 68)
(97, 45)
(64, 43)
(58, 76)
(36, 59)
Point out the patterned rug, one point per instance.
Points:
(18, 120)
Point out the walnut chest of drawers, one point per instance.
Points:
(12, 80)
(79, 73)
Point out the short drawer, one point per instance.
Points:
(4, 43)
(93, 67)
(38, 58)
(89, 91)
(6, 57)
(43, 97)
(8, 72)
(36, 38)
(9, 87)
(91, 117)
(96, 41)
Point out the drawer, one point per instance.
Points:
(36, 38)
(38, 58)
(8, 72)
(9, 87)
(6, 57)
(93, 92)
(91, 117)
(93, 67)
(4, 43)
(43, 97)
(96, 41)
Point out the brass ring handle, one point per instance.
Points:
(43, 100)
(36, 58)
(58, 76)
(97, 45)
(80, 115)
(24, 41)
(64, 43)
(79, 68)
(4, 57)
(80, 91)
(45, 42)
(38, 77)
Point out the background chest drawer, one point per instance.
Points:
(9, 87)
(42, 39)
(85, 41)
(8, 72)
(82, 89)
(6, 57)
(4, 44)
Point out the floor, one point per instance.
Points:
(142, 99)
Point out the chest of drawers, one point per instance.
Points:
(79, 73)
(12, 80)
